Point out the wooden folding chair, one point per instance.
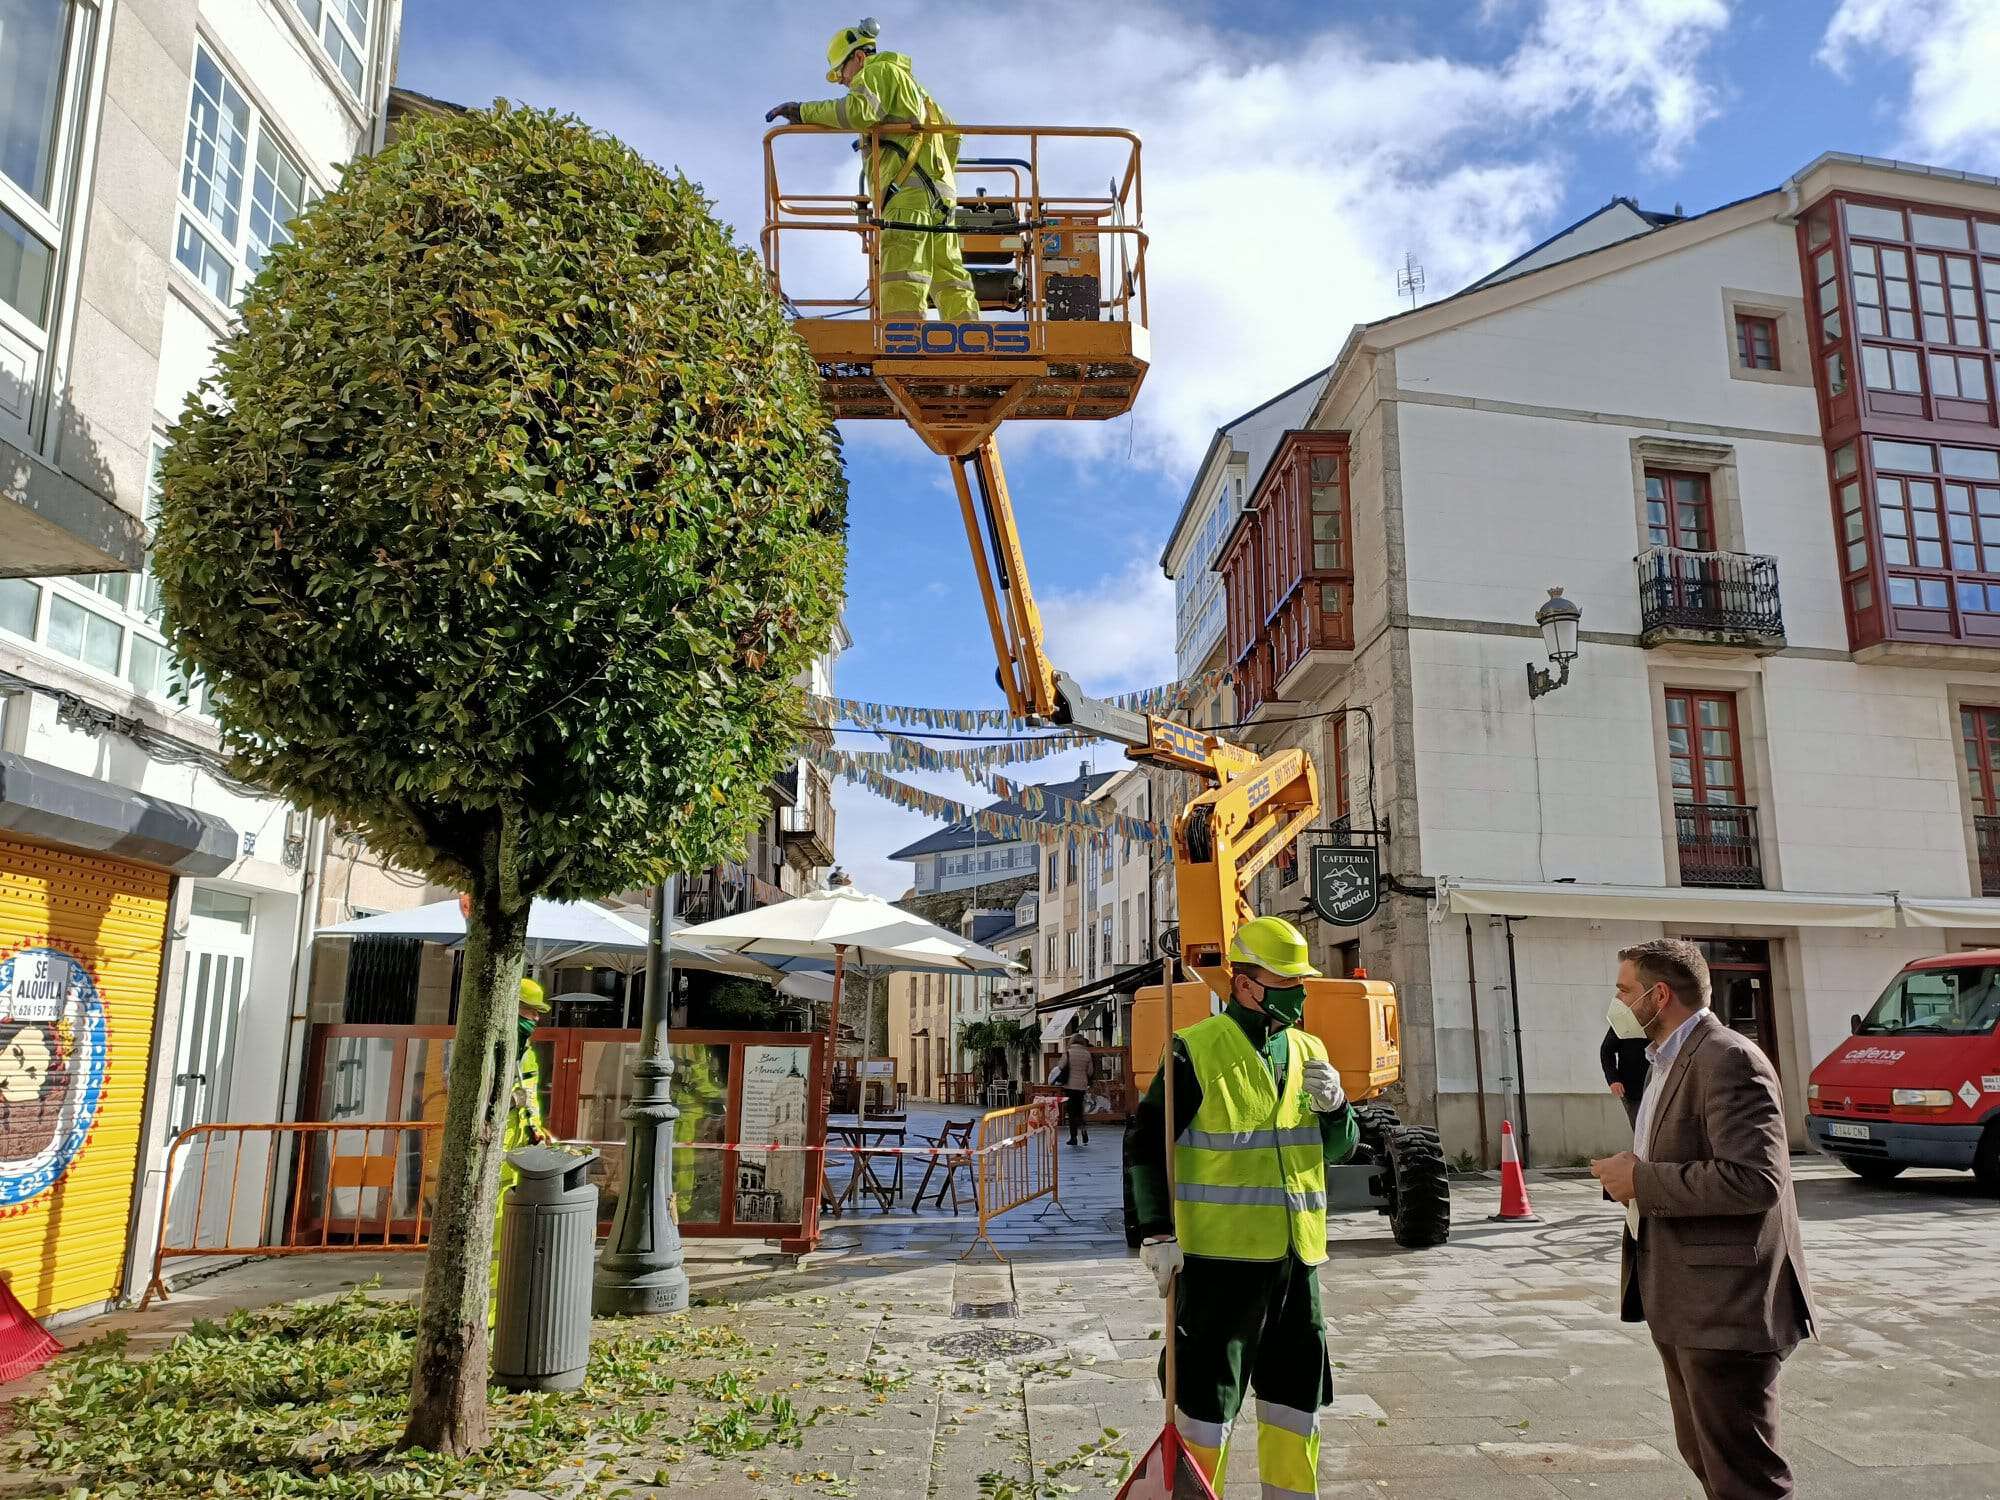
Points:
(949, 1148)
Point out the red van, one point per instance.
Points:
(1918, 1083)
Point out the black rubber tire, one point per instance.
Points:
(1376, 1122)
(1986, 1165)
(1419, 1186)
(1870, 1170)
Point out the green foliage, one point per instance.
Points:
(735, 1004)
(514, 493)
(998, 1035)
(308, 1399)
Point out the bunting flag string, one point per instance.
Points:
(1165, 698)
(1072, 819)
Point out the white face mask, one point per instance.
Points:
(1623, 1022)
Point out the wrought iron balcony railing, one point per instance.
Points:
(1987, 831)
(1718, 844)
(1728, 598)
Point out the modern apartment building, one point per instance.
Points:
(1758, 447)
(151, 910)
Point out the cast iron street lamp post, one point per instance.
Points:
(640, 1271)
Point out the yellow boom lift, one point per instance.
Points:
(1062, 279)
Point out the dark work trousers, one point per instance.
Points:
(1073, 1109)
(1726, 1419)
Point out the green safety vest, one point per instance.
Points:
(1250, 1169)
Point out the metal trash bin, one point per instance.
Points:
(548, 1243)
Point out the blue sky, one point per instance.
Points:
(1294, 152)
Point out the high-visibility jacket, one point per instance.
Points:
(1250, 1169)
(524, 1109)
(887, 90)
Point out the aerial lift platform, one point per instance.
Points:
(1060, 278)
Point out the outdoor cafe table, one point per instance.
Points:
(860, 1140)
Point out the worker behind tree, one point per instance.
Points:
(524, 1122)
(1259, 1115)
(922, 260)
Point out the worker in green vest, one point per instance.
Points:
(923, 259)
(1258, 1117)
(524, 1122)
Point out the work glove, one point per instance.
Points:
(790, 110)
(1322, 1083)
(1163, 1258)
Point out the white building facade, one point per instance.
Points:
(151, 152)
(1759, 448)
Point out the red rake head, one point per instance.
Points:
(1166, 1471)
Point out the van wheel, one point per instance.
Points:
(1986, 1165)
(1869, 1170)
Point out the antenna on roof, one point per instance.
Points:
(1410, 277)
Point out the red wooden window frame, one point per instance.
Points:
(1979, 729)
(1675, 510)
(1756, 341)
(1701, 714)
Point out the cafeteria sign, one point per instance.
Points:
(1345, 883)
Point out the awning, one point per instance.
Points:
(1055, 1023)
(55, 806)
(1946, 913)
(1640, 903)
(1118, 982)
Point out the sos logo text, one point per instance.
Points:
(924, 337)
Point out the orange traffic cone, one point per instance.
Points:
(1513, 1182)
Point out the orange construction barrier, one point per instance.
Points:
(345, 1185)
(1513, 1181)
(1015, 1160)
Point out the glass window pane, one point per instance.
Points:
(1896, 264)
(31, 67)
(1972, 596)
(26, 268)
(1719, 773)
(1933, 229)
(276, 197)
(1902, 591)
(147, 669)
(1895, 550)
(1894, 522)
(1912, 457)
(1713, 711)
(1902, 326)
(1862, 595)
(1875, 366)
(1903, 368)
(1972, 379)
(204, 261)
(1930, 555)
(101, 641)
(1989, 237)
(1944, 375)
(1965, 557)
(1836, 373)
(1989, 501)
(217, 142)
(1843, 460)
(1683, 773)
(19, 599)
(65, 626)
(1931, 593)
(1677, 711)
(1857, 556)
(1972, 463)
(1851, 524)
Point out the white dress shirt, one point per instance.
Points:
(1660, 1059)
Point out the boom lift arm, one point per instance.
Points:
(1253, 807)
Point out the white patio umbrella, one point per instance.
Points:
(558, 932)
(847, 926)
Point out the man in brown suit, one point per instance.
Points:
(1713, 1263)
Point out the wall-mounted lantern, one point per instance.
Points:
(1558, 618)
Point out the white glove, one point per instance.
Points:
(1163, 1259)
(1322, 1083)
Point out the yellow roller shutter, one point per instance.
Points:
(80, 944)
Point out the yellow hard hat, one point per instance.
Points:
(533, 997)
(1273, 943)
(861, 34)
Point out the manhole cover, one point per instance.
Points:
(990, 1343)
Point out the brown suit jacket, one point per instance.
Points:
(1719, 1263)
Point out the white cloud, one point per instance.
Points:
(1283, 184)
(1116, 634)
(1952, 49)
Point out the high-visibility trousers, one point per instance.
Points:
(509, 1176)
(1253, 1324)
(920, 268)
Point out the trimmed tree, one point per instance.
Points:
(504, 530)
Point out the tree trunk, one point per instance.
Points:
(449, 1365)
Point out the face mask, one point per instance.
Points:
(527, 1025)
(1286, 1007)
(1628, 1026)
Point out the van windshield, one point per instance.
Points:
(1938, 1002)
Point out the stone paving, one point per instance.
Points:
(1492, 1367)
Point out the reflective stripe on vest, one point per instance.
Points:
(1250, 1169)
